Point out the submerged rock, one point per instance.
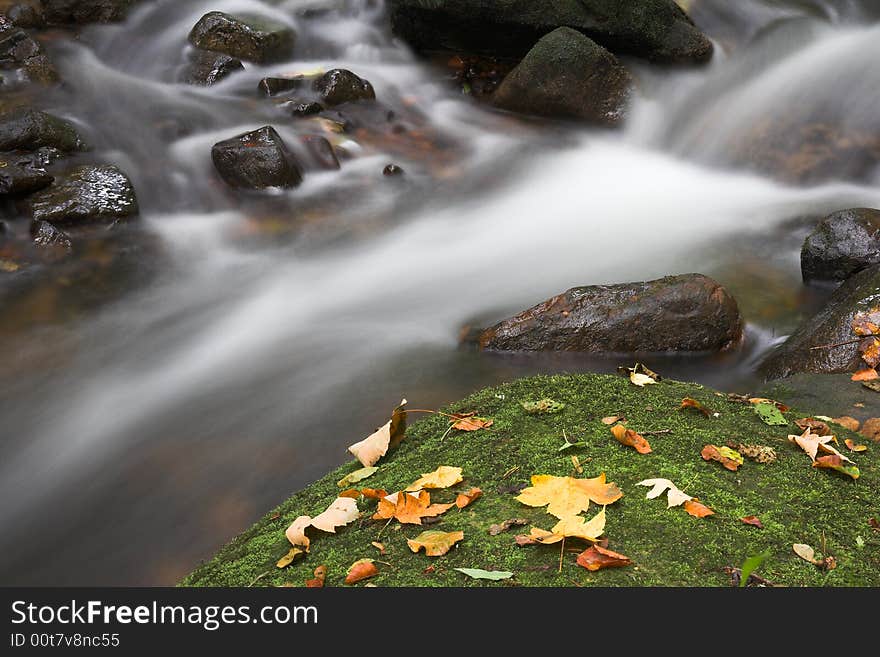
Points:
(689, 312)
(658, 30)
(842, 244)
(340, 85)
(832, 325)
(320, 155)
(17, 177)
(85, 195)
(208, 67)
(567, 75)
(64, 12)
(252, 38)
(27, 129)
(256, 160)
(20, 53)
(47, 235)
(276, 86)
(300, 108)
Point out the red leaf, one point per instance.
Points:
(752, 520)
(595, 558)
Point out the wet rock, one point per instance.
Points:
(47, 235)
(207, 67)
(17, 177)
(86, 195)
(319, 154)
(340, 85)
(252, 38)
(567, 75)
(689, 312)
(834, 394)
(658, 30)
(27, 129)
(276, 86)
(832, 325)
(392, 170)
(23, 56)
(842, 244)
(256, 160)
(300, 108)
(27, 14)
(64, 12)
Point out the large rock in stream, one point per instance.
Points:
(29, 130)
(23, 57)
(86, 195)
(689, 312)
(657, 30)
(252, 38)
(567, 75)
(831, 326)
(843, 244)
(20, 176)
(64, 12)
(256, 160)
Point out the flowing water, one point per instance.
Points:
(151, 412)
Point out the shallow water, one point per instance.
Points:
(148, 419)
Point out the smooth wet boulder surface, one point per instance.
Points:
(832, 325)
(340, 85)
(567, 75)
(86, 195)
(842, 244)
(658, 30)
(28, 129)
(65, 12)
(206, 67)
(252, 38)
(17, 176)
(690, 312)
(256, 160)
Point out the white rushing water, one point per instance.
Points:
(191, 405)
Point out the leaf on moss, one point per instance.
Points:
(853, 447)
(543, 406)
(361, 570)
(341, 512)
(356, 476)
(466, 498)
(815, 426)
(292, 555)
(630, 438)
(479, 573)
(754, 521)
(697, 508)
(436, 543)
(472, 423)
(693, 404)
(835, 462)
(869, 348)
(376, 445)
(443, 477)
(595, 558)
(613, 419)
(727, 457)
(674, 497)
(758, 453)
(496, 529)
(640, 375)
(374, 493)
(770, 415)
(567, 496)
(318, 581)
(409, 508)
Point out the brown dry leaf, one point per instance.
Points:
(630, 438)
(752, 520)
(496, 529)
(435, 542)
(466, 498)
(374, 493)
(727, 457)
(758, 453)
(687, 403)
(408, 508)
(567, 496)
(869, 348)
(867, 374)
(867, 322)
(697, 508)
(836, 462)
(847, 422)
(361, 570)
(763, 400)
(443, 477)
(353, 493)
(871, 429)
(595, 558)
(612, 419)
(468, 423)
(815, 426)
(379, 546)
(376, 445)
(320, 576)
(853, 447)
(874, 524)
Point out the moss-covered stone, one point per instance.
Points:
(795, 502)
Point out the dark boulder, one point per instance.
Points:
(392, 170)
(27, 14)
(842, 244)
(86, 195)
(24, 56)
(300, 108)
(19, 177)
(567, 75)
(319, 154)
(689, 312)
(657, 30)
(27, 129)
(256, 160)
(252, 38)
(833, 325)
(65, 12)
(339, 86)
(47, 235)
(207, 67)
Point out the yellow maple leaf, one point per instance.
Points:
(571, 527)
(374, 447)
(409, 508)
(567, 496)
(435, 542)
(443, 477)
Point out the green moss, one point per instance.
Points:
(796, 503)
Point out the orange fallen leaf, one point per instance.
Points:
(353, 493)
(376, 445)
(836, 462)
(374, 493)
(782, 408)
(866, 323)
(868, 374)
(595, 558)
(630, 438)
(409, 508)
(729, 458)
(687, 403)
(320, 576)
(752, 520)
(869, 348)
(361, 570)
(853, 447)
(379, 546)
(697, 508)
(473, 423)
(567, 496)
(435, 542)
(464, 499)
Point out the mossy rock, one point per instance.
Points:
(795, 502)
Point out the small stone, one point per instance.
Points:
(256, 160)
(86, 195)
(249, 37)
(206, 67)
(298, 108)
(47, 235)
(392, 170)
(340, 85)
